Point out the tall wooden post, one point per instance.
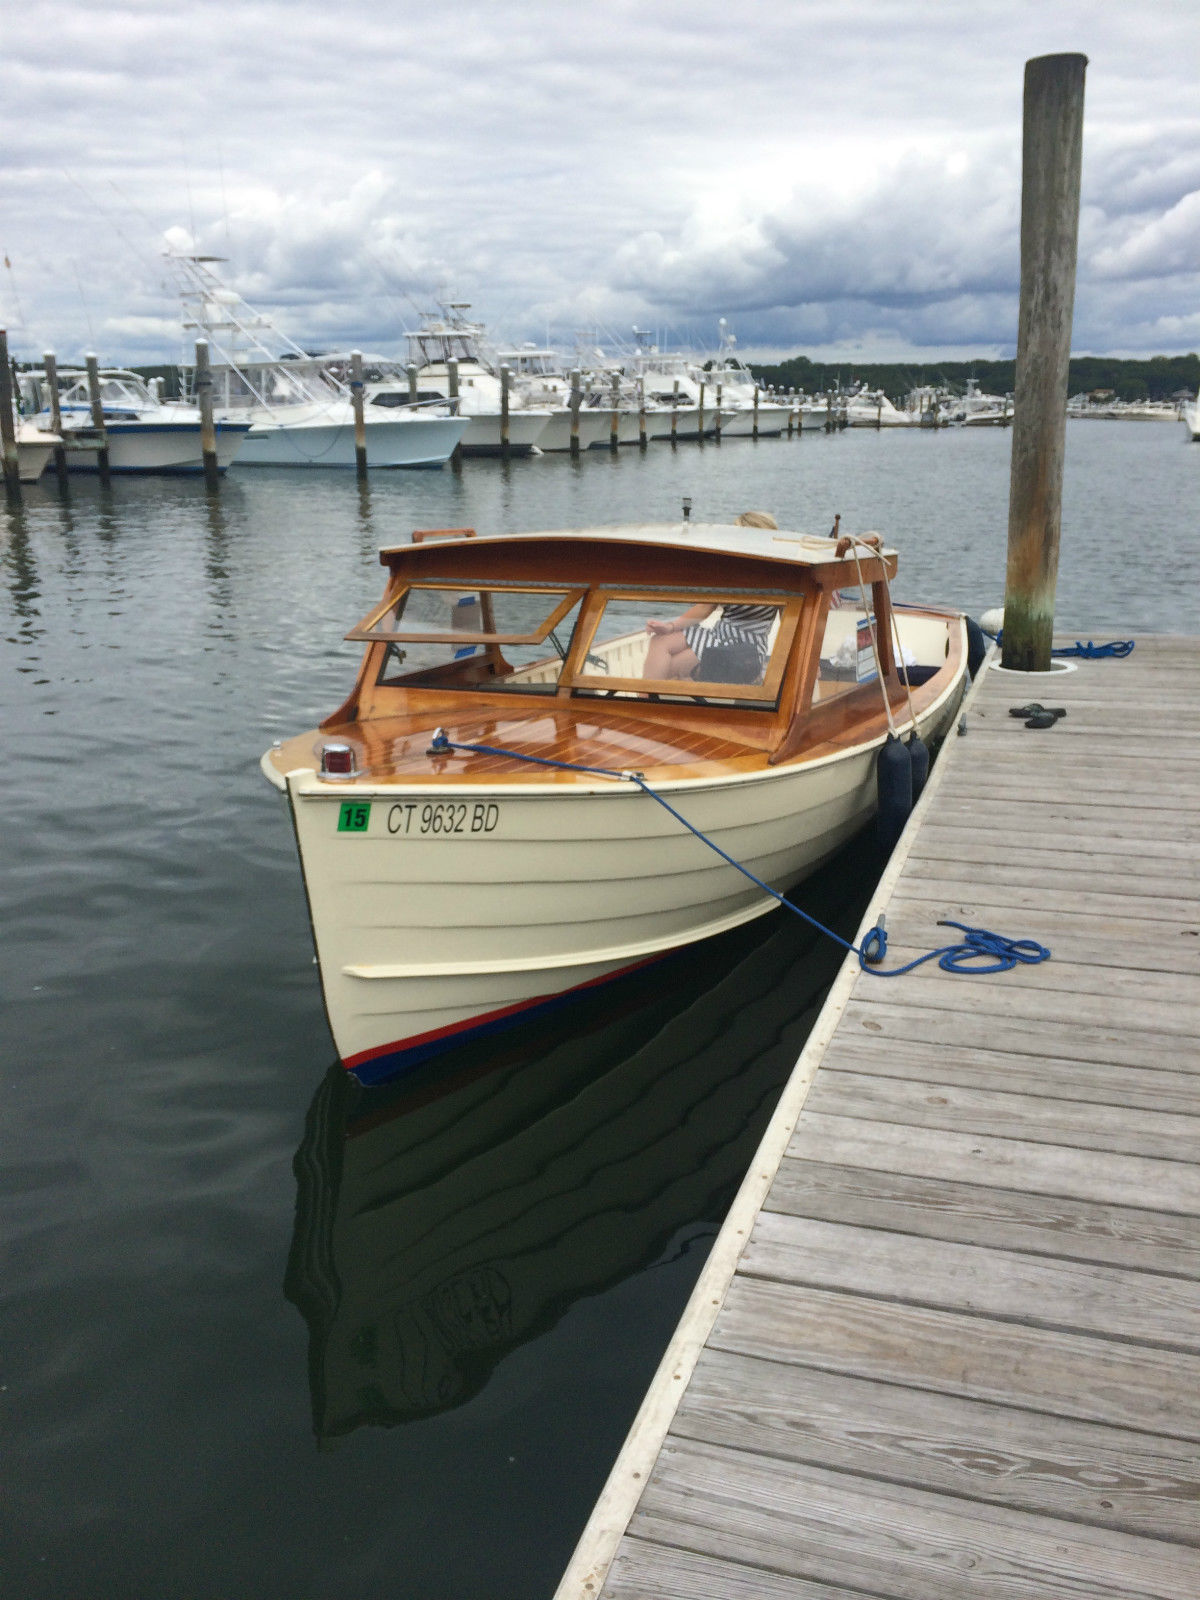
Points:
(357, 400)
(505, 401)
(204, 399)
(754, 430)
(700, 420)
(675, 412)
(413, 385)
(717, 414)
(576, 402)
(8, 425)
(614, 427)
(50, 363)
(456, 456)
(93, 382)
(1053, 154)
(641, 394)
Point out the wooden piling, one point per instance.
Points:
(8, 425)
(93, 382)
(641, 390)
(675, 412)
(505, 393)
(576, 402)
(614, 431)
(717, 414)
(700, 417)
(414, 388)
(1053, 150)
(456, 455)
(204, 399)
(360, 417)
(50, 364)
(754, 428)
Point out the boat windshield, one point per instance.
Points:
(728, 647)
(445, 636)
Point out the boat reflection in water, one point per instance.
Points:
(449, 1217)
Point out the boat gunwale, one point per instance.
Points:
(512, 786)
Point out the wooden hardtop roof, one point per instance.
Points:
(662, 543)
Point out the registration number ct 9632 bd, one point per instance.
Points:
(429, 817)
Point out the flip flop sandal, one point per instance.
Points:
(1033, 709)
(1041, 719)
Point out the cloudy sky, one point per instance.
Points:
(836, 177)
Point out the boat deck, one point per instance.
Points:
(947, 1344)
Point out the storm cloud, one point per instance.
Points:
(833, 178)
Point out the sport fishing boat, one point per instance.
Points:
(295, 409)
(548, 734)
(142, 432)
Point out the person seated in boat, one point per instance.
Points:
(735, 640)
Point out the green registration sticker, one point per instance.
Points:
(354, 816)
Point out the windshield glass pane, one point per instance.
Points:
(664, 641)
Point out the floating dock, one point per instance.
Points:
(947, 1344)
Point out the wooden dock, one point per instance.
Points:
(947, 1344)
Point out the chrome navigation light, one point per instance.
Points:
(337, 761)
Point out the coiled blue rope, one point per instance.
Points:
(1120, 648)
(1116, 648)
(979, 951)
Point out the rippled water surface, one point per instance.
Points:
(265, 1335)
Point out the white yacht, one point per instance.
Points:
(142, 432)
(974, 409)
(871, 408)
(449, 335)
(679, 403)
(539, 378)
(297, 407)
(739, 389)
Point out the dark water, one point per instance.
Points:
(267, 1335)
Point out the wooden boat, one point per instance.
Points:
(471, 839)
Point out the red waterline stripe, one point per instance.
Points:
(487, 1018)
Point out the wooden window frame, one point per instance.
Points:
(367, 633)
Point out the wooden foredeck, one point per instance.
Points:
(948, 1343)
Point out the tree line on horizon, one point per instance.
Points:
(1155, 378)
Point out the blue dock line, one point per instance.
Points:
(1120, 648)
(1116, 648)
(979, 951)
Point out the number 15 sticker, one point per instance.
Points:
(354, 816)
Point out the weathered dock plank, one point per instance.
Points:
(1113, 1477)
(1007, 1113)
(974, 1213)
(947, 1345)
(1011, 1163)
(1119, 1383)
(886, 1538)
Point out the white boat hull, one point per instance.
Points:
(690, 422)
(326, 440)
(34, 449)
(594, 428)
(460, 906)
(525, 429)
(163, 447)
(772, 421)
